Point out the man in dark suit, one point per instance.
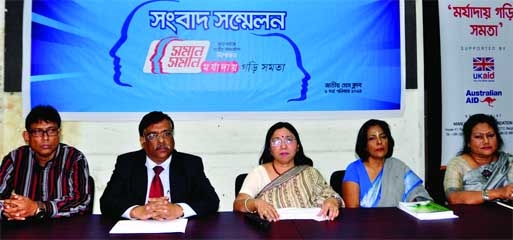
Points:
(184, 188)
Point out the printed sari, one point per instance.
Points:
(460, 177)
(395, 183)
(300, 187)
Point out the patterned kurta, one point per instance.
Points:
(62, 185)
(300, 187)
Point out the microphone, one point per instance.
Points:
(255, 220)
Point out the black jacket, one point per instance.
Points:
(188, 184)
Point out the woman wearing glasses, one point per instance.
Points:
(285, 178)
(480, 172)
(377, 179)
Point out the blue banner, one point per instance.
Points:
(215, 56)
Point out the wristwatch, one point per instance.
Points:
(485, 195)
(40, 211)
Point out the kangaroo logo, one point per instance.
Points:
(489, 100)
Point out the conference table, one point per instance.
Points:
(475, 222)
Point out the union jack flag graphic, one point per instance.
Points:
(483, 64)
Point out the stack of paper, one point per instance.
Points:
(508, 204)
(149, 226)
(300, 213)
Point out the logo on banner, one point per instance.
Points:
(483, 69)
(482, 97)
(173, 55)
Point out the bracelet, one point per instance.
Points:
(246, 205)
(485, 195)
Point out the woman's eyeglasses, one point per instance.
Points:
(482, 136)
(278, 141)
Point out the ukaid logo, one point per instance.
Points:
(483, 69)
(482, 97)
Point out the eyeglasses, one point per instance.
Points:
(278, 141)
(152, 136)
(480, 136)
(39, 132)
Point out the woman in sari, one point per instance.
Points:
(480, 172)
(285, 178)
(377, 179)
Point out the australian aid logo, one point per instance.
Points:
(483, 69)
(488, 97)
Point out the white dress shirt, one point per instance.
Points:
(187, 210)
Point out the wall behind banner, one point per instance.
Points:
(229, 147)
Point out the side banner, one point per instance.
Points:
(94, 56)
(477, 68)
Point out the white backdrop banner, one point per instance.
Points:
(477, 68)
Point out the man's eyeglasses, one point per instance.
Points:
(278, 141)
(39, 132)
(152, 136)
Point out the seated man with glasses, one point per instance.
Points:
(158, 182)
(45, 178)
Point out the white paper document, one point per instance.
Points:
(300, 213)
(150, 226)
(508, 205)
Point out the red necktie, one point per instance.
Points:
(156, 189)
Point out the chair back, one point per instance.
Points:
(90, 180)
(442, 199)
(238, 182)
(336, 180)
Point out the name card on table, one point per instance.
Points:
(300, 213)
(149, 226)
